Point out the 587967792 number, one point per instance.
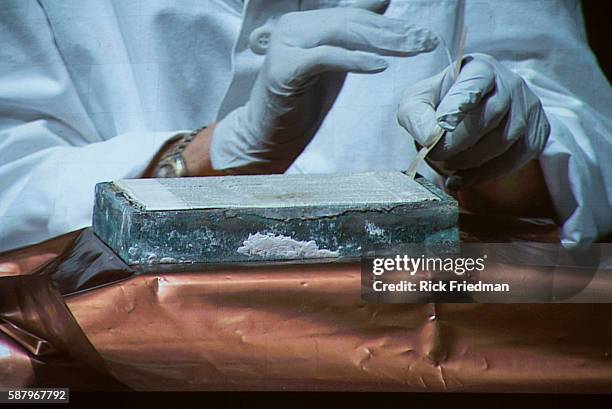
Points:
(35, 395)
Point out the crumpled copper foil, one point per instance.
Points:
(293, 327)
(15, 364)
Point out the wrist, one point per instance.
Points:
(163, 152)
(523, 193)
(197, 154)
(184, 156)
(172, 163)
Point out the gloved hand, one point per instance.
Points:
(495, 124)
(307, 58)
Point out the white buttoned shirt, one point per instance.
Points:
(91, 89)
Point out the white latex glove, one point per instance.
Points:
(495, 124)
(307, 59)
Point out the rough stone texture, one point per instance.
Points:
(269, 217)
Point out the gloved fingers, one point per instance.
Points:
(513, 159)
(530, 126)
(480, 126)
(355, 29)
(387, 37)
(336, 59)
(519, 117)
(377, 6)
(528, 115)
(417, 112)
(475, 80)
(490, 146)
(538, 129)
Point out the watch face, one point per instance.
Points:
(171, 167)
(165, 171)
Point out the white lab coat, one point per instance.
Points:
(91, 89)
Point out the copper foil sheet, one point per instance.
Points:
(285, 328)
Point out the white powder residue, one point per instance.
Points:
(270, 245)
(374, 230)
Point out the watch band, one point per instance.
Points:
(173, 165)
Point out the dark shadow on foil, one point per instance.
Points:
(34, 314)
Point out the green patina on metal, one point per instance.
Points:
(274, 217)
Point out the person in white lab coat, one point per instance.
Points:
(93, 91)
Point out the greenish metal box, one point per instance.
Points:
(273, 217)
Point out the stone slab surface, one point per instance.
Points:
(267, 218)
(274, 191)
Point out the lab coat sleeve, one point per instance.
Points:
(51, 155)
(545, 43)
